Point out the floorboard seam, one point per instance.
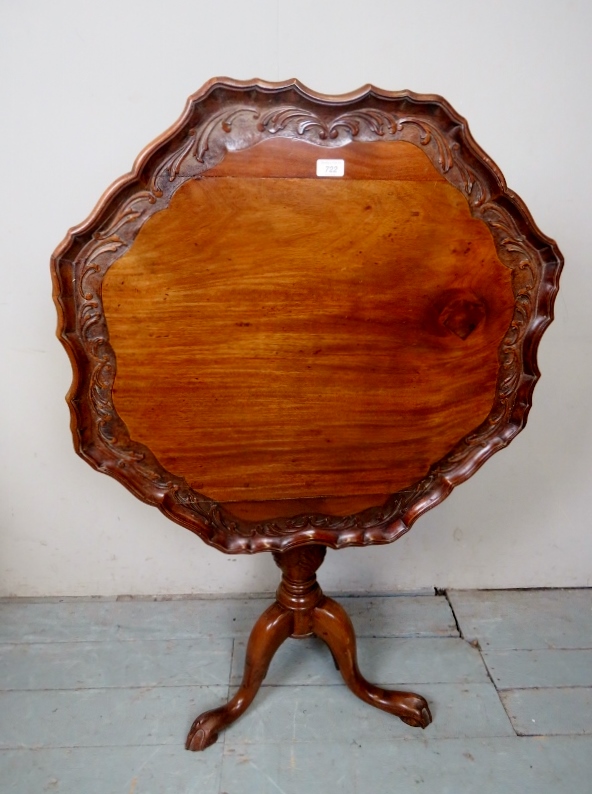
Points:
(449, 602)
(151, 687)
(222, 739)
(38, 747)
(531, 688)
(476, 644)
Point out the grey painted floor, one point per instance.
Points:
(96, 697)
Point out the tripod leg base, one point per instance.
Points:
(300, 610)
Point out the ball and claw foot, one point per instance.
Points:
(421, 716)
(205, 729)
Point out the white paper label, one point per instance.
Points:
(330, 167)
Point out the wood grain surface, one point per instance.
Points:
(291, 337)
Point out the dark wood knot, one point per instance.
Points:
(462, 315)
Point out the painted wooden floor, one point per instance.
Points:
(96, 697)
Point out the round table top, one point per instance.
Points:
(303, 318)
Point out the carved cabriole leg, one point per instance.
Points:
(301, 610)
(273, 627)
(332, 624)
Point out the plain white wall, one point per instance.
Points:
(85, 85)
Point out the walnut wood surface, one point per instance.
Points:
(274, 359)
(281, 338)
(301, 610)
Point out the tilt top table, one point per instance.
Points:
(299, 323)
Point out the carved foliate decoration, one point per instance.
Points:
(227, 116)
